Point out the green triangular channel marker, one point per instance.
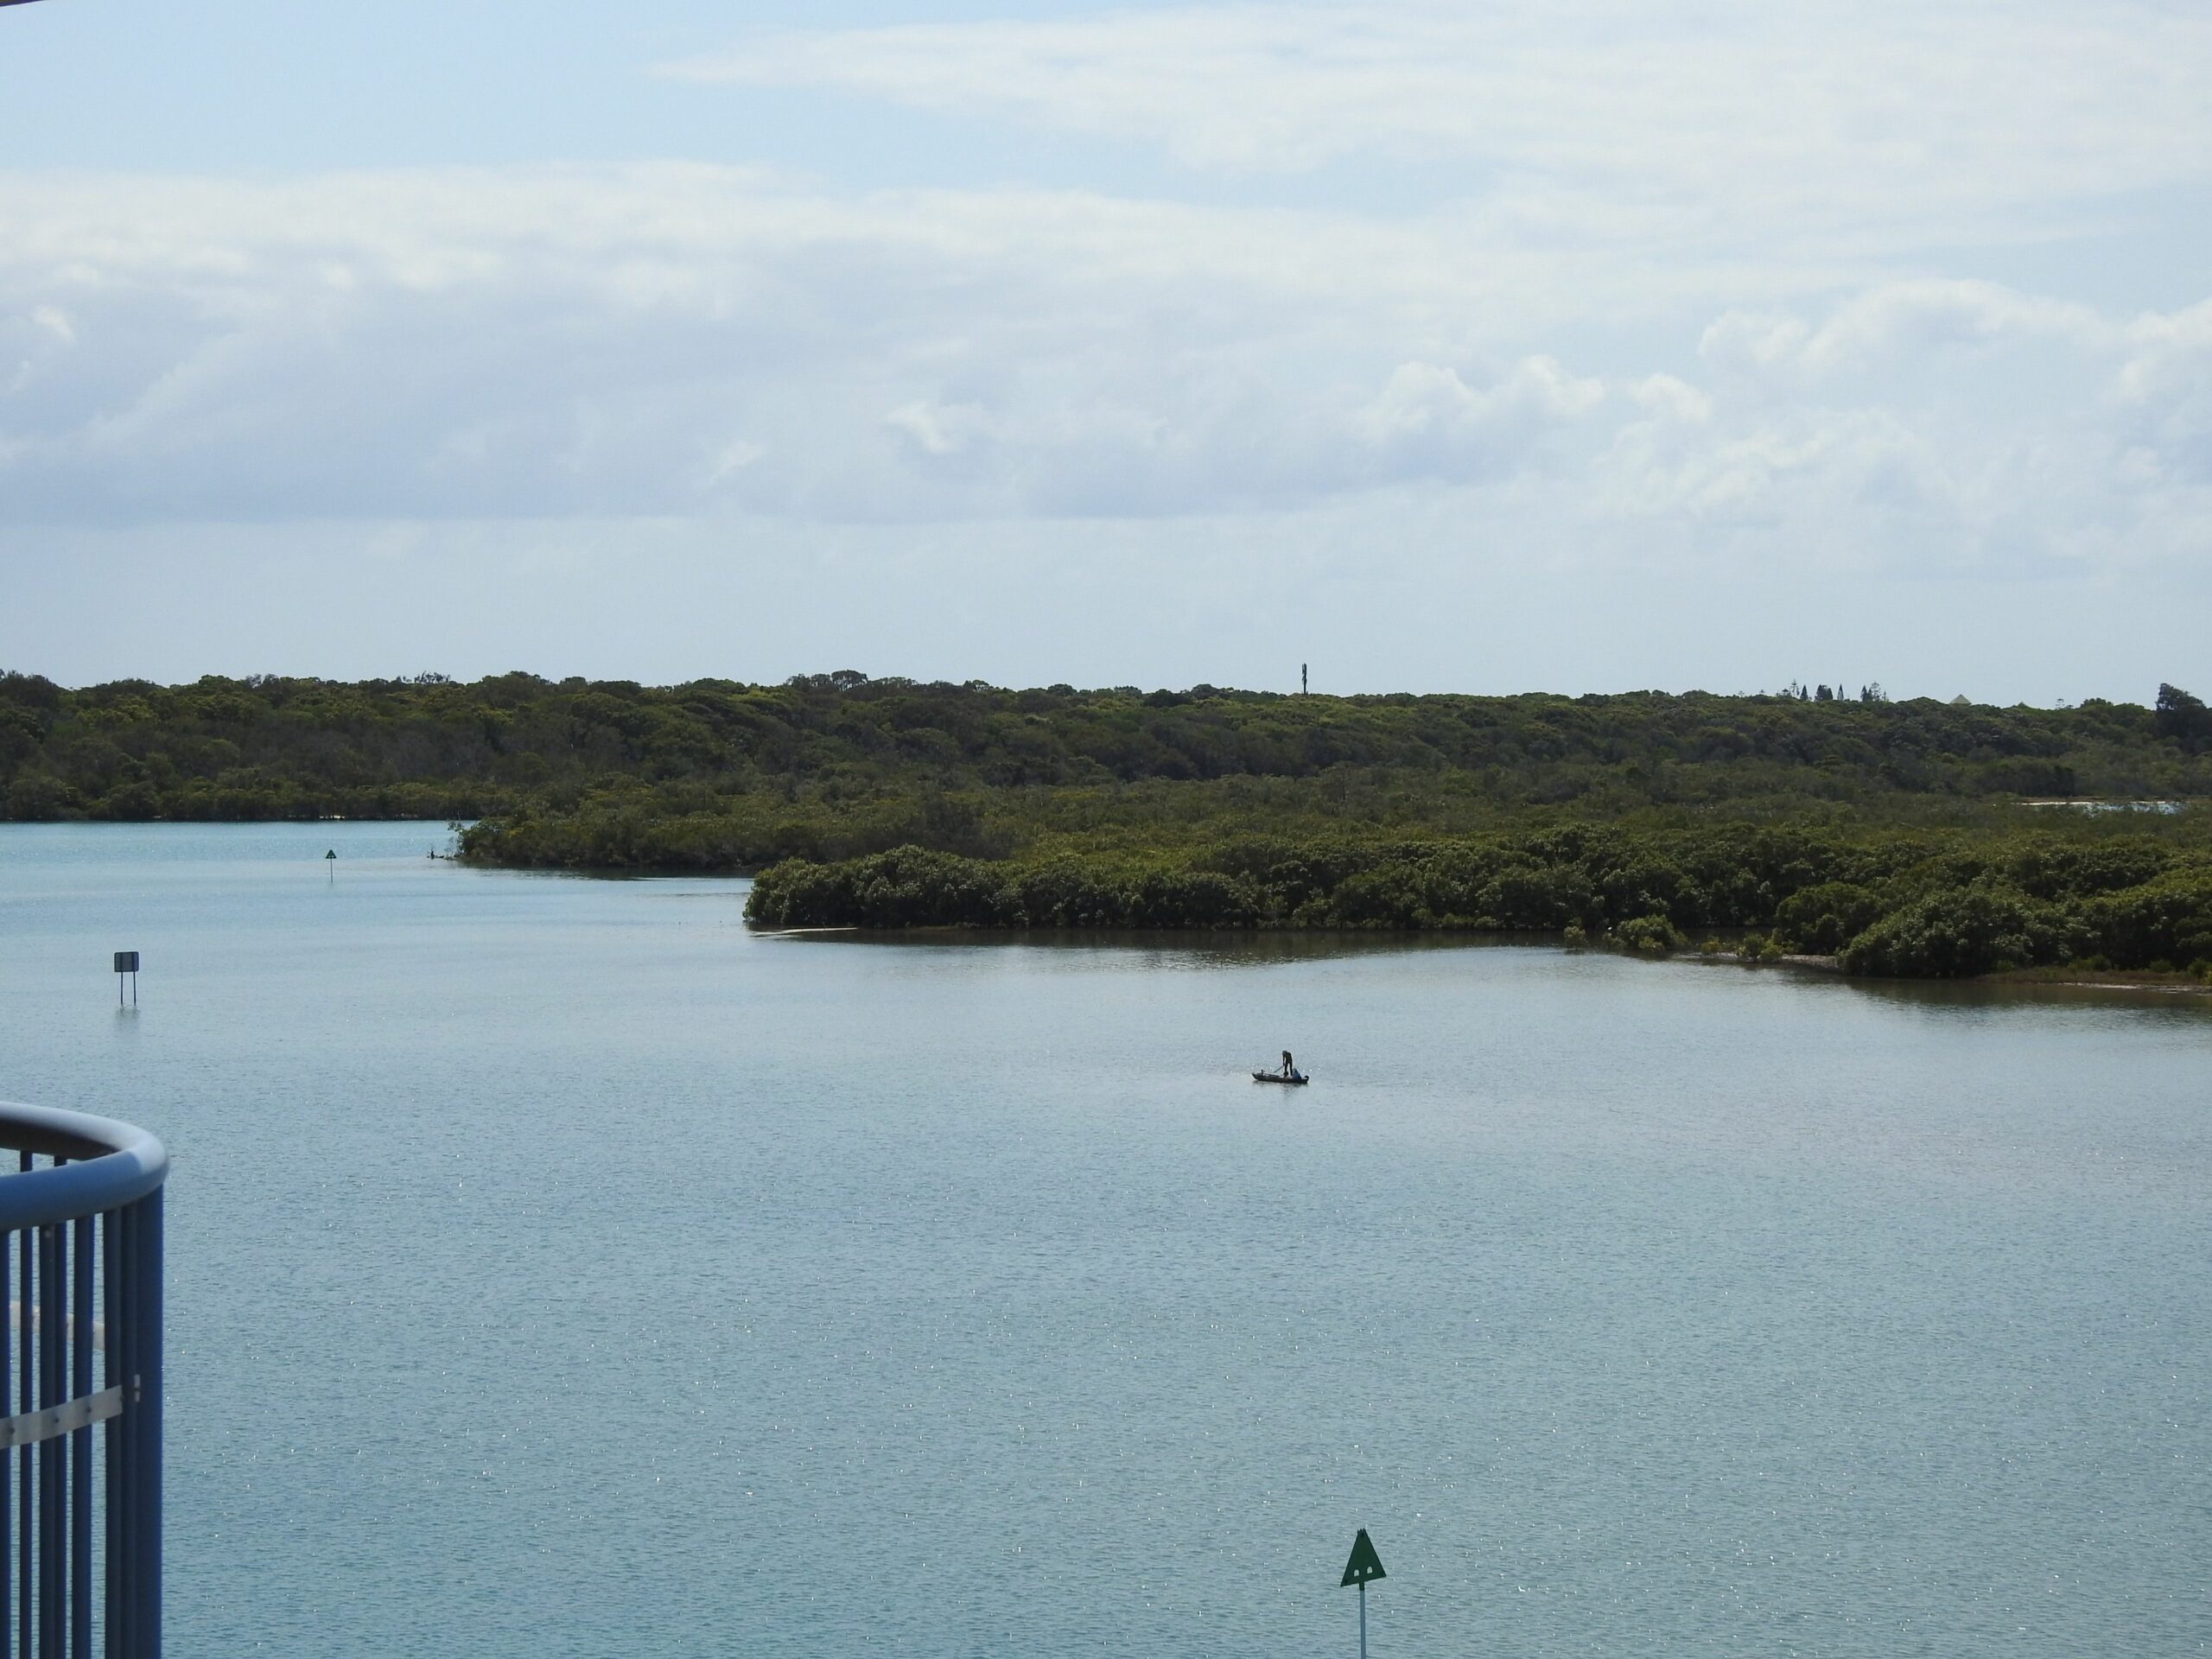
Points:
(1365, 1564)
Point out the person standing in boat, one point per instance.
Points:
(1288, 1071)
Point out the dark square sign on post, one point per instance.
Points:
(126, 962)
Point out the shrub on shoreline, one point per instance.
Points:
(1887, 904)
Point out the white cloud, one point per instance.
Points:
(732, 458)
(1428, 421)
(1764, 121)
(2165, 390)
(1914, 319)
(596, 341)
(938, 428)
(690, 343)
(1665, 395)
(1851, 466)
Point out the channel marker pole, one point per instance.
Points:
(1365, 1565)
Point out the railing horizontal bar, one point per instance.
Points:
(112, 1164)
(51, 1422)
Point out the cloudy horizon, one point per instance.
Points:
(1489, 349)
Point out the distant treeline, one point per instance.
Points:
(1894, 902)
(1890, 833)
(722, 774)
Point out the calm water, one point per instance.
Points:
(556, 1269)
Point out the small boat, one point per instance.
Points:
(1277, 1076)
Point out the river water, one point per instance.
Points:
(558, 1268)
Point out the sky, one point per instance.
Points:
(1561, 344)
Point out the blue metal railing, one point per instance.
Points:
(81, 1260)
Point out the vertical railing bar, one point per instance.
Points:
(145, 1473)
(52, 1317)
(26, 1533)
(150, 1444)
(80, 1452)
(126, 1431)
(7, 1459)
(117, 1427)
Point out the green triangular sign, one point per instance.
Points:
(1365, 1564)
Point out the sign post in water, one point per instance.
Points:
(126, 962)
(1365, 1565)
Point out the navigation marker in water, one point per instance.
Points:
(1365, 1564)
(126, 962)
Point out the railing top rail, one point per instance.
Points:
(112, 1164)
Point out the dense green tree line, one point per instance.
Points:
(1887, 832)
(1892, 901)
(796, 760)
